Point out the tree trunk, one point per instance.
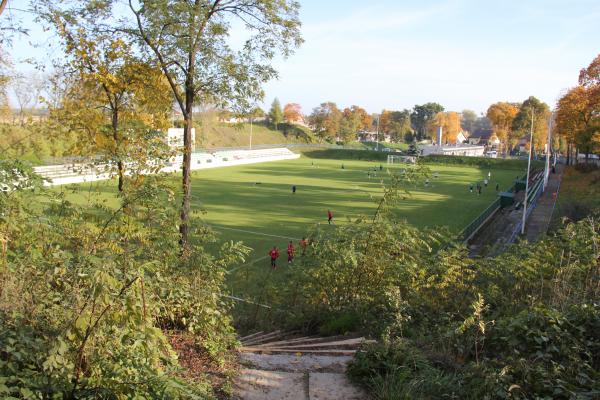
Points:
(568, 153)
(186, 176)
(120, 167)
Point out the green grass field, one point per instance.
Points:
(267, 213)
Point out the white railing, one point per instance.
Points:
(81, 172)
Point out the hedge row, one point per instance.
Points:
(366, 155)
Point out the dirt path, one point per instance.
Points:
(280, 366)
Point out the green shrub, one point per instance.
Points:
(483, 162)
(87, 295)
(587, 167)
(397, 370)
(340, 325)
(340, 154)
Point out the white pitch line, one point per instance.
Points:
(247, 264)
(254, 232)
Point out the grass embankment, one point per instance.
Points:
(579, 194)
(238, 135)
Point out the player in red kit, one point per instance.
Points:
(303, 244)
(274, 254)
(329, 217)
(290, 252)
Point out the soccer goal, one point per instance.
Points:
(395, 159)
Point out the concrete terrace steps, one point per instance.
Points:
(268, 337)
(309, 339)
(291, 351)
(288, 366)
(279, 342)
(324, 345)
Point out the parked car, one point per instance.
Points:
(492, 154)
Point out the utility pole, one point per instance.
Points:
(548, 151)
(250, 131)
(377, 134)
(527, 179)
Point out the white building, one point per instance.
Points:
(175, 137)
(457, 150)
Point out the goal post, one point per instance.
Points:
(396, 159)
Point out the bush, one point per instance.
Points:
(576, 210)
(340, 325)
(587, 167)
(87, 294)
(397, 370)
(483, 162)
(340, 154)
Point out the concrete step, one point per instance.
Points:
(308, 340)
(251, 336)
(263, 337)
(275, 350)
(269, 337)
(296, 362)
(348, 344)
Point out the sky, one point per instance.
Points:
(386, 54)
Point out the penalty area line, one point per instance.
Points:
(254, 232)
(247, 264)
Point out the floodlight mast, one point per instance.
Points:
(527, 179)
(548, 152)
(377, 134)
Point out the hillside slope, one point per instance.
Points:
(237, 135)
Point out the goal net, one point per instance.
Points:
(395, 159)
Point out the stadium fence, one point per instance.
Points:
(470, 230)
(532, 197)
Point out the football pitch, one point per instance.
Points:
(254, 203)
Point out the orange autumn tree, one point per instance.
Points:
(501, 115)
(578, 112)
(589, 78)
(574, 113)
(450, 123)
(292, 112)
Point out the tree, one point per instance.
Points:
(575, 119)
(396, 124)
(353, 119)
(482, 122)
(257, 112)
(5, 76)
(190, 43)
(292, 112)
(589, 78)
(22, 95)
(468, 120)
(521, 124)
(365, 120)
(349, 125)
(421, 114)
(119, 91)
(501, 115)
(450, 124)
(275, 113)
(325, 120)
